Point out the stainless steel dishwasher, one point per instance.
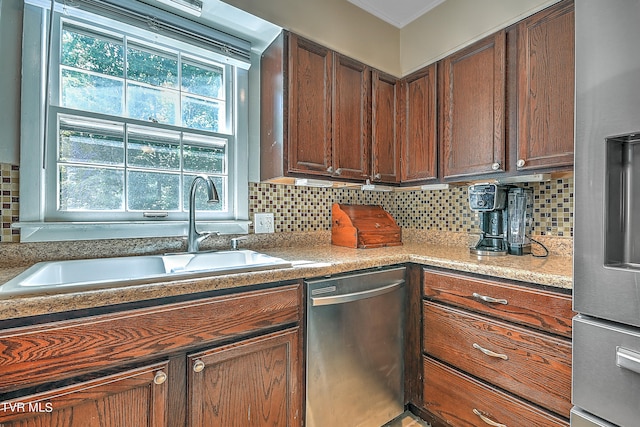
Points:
(354, 348)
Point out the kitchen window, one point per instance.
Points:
(138, 105)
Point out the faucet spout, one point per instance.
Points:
(194, 237)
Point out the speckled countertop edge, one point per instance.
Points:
(308, 262)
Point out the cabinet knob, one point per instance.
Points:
(520, 163)
(330, 169)
(160, 378)
(488, 420)
(495, 166)
(198, 366)
(377, 176)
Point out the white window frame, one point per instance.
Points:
(37, 196)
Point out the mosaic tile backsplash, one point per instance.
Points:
(303, 209)
(9, 177)
(309, 209)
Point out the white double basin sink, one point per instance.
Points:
(98, 273)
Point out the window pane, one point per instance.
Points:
(156, 105)
(205, 159)
(90, 142)
(92, 52)
(202, 114)
(201, 194)
(152, 67)
(153, 191)
(90, 92)
(84, 188)
(204, 80)
(152, 148)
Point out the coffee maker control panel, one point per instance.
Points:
(487, 197)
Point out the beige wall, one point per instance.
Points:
(347, 29)
(336, 24)
(457, 23)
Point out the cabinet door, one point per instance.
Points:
(546, 88)
(309, 114)
(351, 131)
(252, 383)
(418, 126)
(133, 398)
(385, 144)
(473, 108)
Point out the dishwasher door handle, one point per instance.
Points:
(355, 296)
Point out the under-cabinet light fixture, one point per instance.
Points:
(374, 187)
(305, 182)
(538, 177)
(193, 7)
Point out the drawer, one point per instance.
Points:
(461, 400)
(530, 364)
(37, 354)
(606, 370)
(540, 309)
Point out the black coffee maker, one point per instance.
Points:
(505, 219)
(490, 201)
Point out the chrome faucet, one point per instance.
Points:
(194, 238)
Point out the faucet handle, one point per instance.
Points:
(235, 240)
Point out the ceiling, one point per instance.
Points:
(397, 12)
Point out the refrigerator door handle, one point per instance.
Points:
(355, 296)
(628, 359)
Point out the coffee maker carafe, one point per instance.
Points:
(490, 201)
(519, 214)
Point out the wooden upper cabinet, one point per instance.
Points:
(546, 88)
(418, 125)
(309, 114)
(351, 124)
(473, 83)
(385, 139)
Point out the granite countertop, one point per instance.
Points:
(308, 261)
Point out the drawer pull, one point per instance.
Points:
(487, 420)
(491, 353)
(490, 299)
(628, 359)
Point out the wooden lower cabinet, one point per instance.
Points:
(252, 383)
(495, 352)
(526, 362)
(136, 398)
(457, 399)
(228, 360)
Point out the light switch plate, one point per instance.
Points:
(263, 223)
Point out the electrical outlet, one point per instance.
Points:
(263, 223)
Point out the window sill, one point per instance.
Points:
(66, 231)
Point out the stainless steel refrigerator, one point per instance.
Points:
(606, 333)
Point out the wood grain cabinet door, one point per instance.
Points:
(252, 383)
(309, 114)
(546, 86)
(385, 142)
(135, 398)
(473, 87)
(418, 126)
(351, 124)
